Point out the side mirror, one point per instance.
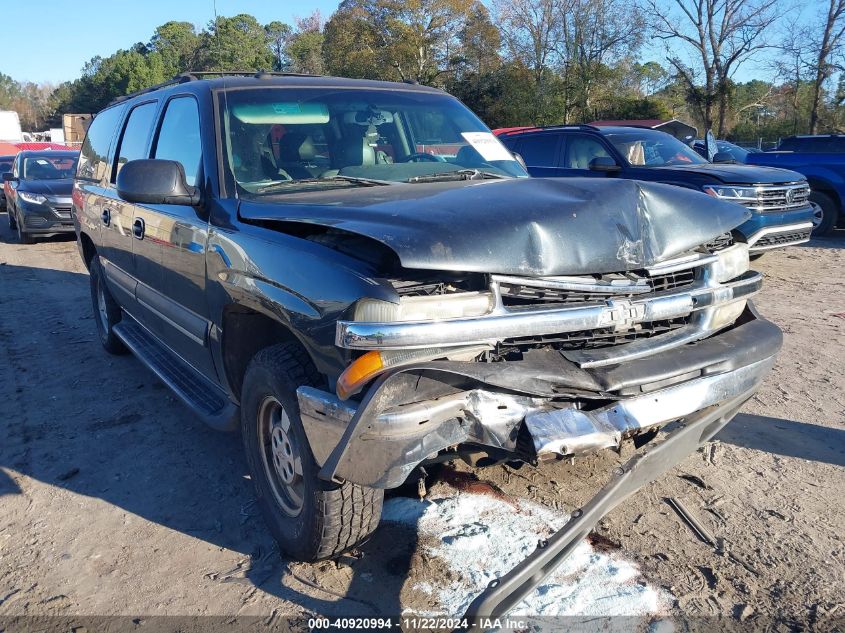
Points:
(604, 163)
(518, 158)
(723, 157)
(8, 176)
(155, 181)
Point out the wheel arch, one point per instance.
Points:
(245, 332)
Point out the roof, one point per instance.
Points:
(42, 152)
(235, 80)
(652, 123)
(42, 146)
(676, 128)
(8, 149)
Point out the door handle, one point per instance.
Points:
(106, 217)
(138, 229)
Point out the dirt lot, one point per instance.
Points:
(114, 500)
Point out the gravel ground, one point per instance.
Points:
(115, 500)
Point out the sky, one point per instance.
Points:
(61, 35)
(50, 40)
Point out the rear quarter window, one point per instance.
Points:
(94, 157)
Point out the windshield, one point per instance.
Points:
(650, 148)
(56, 167)
(285, 139)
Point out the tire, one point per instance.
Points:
(107, 312)
(830, 213)
(310, 518)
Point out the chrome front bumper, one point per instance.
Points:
(699, 304)
(378, 442)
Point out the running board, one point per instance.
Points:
(504, 593)
(202, 396)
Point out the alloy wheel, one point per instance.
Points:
(280, 456)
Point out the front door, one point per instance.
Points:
(170, 250)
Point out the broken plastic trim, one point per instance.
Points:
(504, 593)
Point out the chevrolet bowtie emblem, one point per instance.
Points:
(621, 314)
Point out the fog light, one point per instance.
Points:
(730, 263)
(727, 314)
(35, 220)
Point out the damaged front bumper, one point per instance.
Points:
(417, 411)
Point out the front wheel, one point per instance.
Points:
(310, 518)
(826, 213)
(107, 312)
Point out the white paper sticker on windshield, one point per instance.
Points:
(487, 145)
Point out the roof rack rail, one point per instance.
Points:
(196, 75)
(543, 128)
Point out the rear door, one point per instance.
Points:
(540, 152)
(170, 255)
(94, 196)
(132, 143)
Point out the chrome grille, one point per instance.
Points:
(778, 198)
(595, 339)
(516, 293)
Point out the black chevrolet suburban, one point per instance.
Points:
(361, 278)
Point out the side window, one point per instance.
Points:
(179, 136)
(94, 158)
(136, 134)
(580, 150)
(539, 151)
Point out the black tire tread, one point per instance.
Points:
(348, 513)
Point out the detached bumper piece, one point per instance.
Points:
(505, 593)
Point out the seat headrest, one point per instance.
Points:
(294, 147)
(357, 152)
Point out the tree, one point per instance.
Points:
(531, 30)
(719, 35)
(304, 47)
(595, 35)
(480, 42)
(351, 45)
(277, 35)
(178, 44)
(827, 48)
(236, 43)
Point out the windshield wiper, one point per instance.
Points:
(364, 182)
(459, 174)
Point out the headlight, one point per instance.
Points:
(34, 198)
(730, 263)
(743, 195)
(432, 308)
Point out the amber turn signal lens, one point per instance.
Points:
(359, 372)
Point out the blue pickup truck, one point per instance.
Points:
(778, 199)
(817, 159)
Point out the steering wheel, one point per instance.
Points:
(419, 156)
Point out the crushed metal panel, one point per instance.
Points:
(519, 226)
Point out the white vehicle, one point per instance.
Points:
(10, 127)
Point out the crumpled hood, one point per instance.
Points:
(62, 187)
(738, 174)
(521, 226)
